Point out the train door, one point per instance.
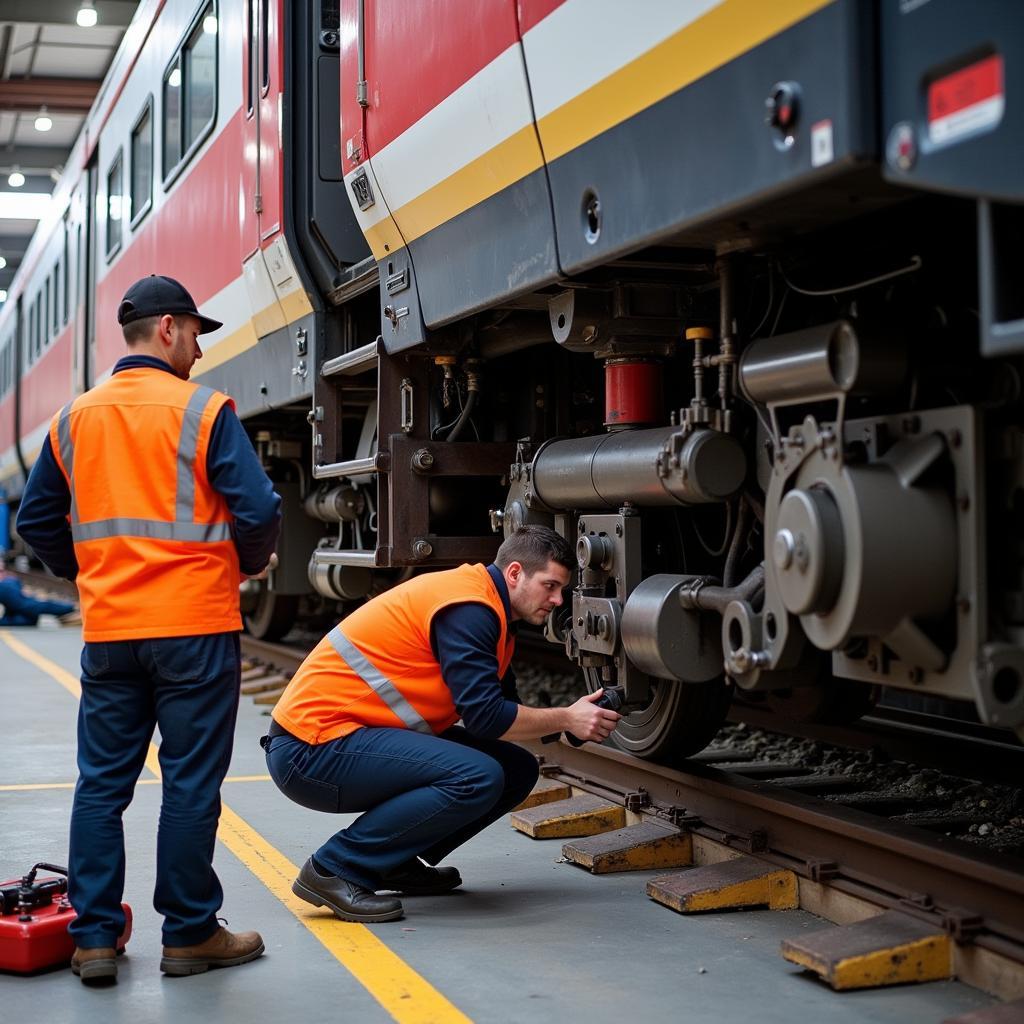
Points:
(260, 187)
(450, 136)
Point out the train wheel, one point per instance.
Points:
(272, 614)
(680, 719)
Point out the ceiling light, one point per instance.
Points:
(43, 121)
(3, 262)
(86, 16)
(3, 294)
(15, 179)
(210, 24)
(174, 80)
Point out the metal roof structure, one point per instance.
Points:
(51, 68)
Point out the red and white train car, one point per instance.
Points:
(731, 286)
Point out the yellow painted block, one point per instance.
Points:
(642, 847)
(584, 815)
(889, 949)
(744, 882)
(546, 791)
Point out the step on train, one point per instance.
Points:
(726, 292)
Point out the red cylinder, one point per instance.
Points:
(632, 393)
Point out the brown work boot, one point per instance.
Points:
(221, 949)
(95, 966)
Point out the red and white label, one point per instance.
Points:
(968, 101)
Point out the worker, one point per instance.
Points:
(147, 491)
(19, 609)
(368, 724)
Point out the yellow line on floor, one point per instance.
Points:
(406, 995)
(24, 786)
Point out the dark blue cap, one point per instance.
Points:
(156, 295)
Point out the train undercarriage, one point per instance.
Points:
(789, 475)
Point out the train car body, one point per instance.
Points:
(724, 291)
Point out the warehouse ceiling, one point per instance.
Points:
(51, 68)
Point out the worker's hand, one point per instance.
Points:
(272, 564)
(587, 722)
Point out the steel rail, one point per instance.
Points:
(973, 893)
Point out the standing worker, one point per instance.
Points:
(148, 491)
(368, 724)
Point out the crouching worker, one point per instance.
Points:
(368, 724)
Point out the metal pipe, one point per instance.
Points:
(359, 360)
(366, 559)
(656, 467)
(698, 595)
(361, 91)
(353, 467)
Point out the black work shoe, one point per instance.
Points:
(349, 901)
(414, 878)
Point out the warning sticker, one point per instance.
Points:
(821, 143)
(968, 101)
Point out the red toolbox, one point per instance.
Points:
(34, 919)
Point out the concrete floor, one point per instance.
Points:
(527, 938)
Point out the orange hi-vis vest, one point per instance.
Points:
(152, 537)
(376, 668)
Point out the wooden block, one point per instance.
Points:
(546, 791)
(269, 698)
(254, 672)
(584, 815)
(640, 847)
(742, 882)
(889, 949)
(265, 684)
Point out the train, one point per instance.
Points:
(727, 293)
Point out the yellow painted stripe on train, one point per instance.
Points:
(714, 39)
(699, 48)
(508, 162)
(296, 305)
(406, 995)
(384, 238)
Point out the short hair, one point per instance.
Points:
(533, 547)
(139, 330)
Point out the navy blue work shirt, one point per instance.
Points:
(232, 468)
(464, 638)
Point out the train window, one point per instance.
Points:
(67, 276)
(190, 93)
(172, 116)
(250, 36)
(201, 76)
(45, 332)
(56, 298)
(37, 339)
(115, 199)
(265, 46)
(141, 196)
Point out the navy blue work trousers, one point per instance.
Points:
(22, 610)
(188, 686)
(420, 795)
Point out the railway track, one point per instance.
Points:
(849, 865)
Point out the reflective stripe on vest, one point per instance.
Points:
(378, 682)
(183, 528)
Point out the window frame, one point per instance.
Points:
(171, 174)
(111, 251)
(138, 215)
